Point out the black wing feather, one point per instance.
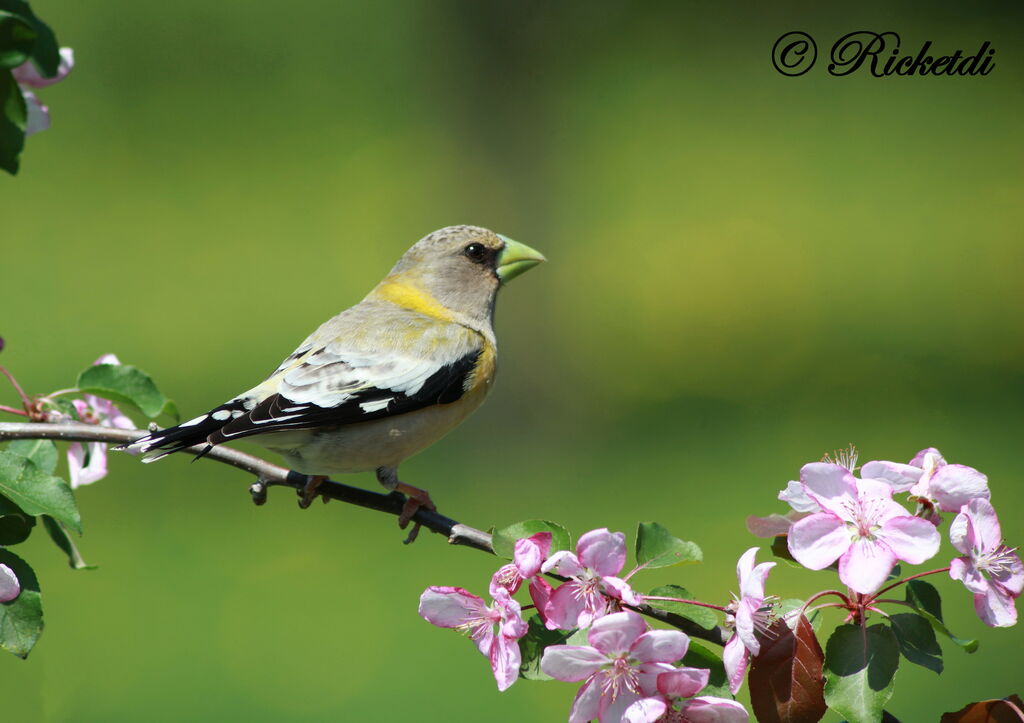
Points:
(277, 413)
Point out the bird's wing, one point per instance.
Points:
(373, 360)
(336, 384)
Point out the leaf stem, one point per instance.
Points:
(12, 410)
(907, 579)
(17, 387)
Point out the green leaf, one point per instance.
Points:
(503, 541)
(656, 547)
(13, 115)
(21, 619)
(532, 645)
(917, 640)
(860, 670)
(17, 36)
(697, 656)
(705, 617)
(59, 534)
(15, 525)
(45, 52)
(124, 383)
(36, 492)
(41, 451)
(924, 598)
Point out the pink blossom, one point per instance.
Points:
(495, 629)
(947, 486)
(860, 525)
(676, 704)
(528, 556)
(936, 484)
(748, 614)
(619, 667)
(990, 569)
(10, 588)
(27, 76)
(576, 603)
(88, 463)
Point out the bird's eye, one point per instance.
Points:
(476, 252)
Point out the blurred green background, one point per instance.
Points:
(746, 271)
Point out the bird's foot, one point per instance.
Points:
(308, 493)
(416, 498)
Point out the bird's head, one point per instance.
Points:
(461, 267)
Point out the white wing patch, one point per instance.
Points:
(377, 405)
(328, 381)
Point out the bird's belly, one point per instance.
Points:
(366, 446)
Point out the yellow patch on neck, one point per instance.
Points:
(404, 294)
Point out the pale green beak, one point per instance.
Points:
(516, 258)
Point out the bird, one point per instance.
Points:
(382, 380)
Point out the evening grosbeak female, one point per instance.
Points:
(383, 379)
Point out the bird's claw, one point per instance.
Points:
(415, 499)
(308, 492)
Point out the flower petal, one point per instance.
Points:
(866, 565)
(450, 607)
(620, 589)
(540, 593)
(831, 486)
(613, 710)
(995, 607)
(616, 633)
(10, 588)
(38, 118)
(961, 532)
(913, 539)
(683, 682)
(660, 646)
(530, 553)
(645, 710)
(563, 563)
(797, 498)
(818, 541)
(920, 460)
(901, 477)
(28, 74)
(964, 570)
(985, 524)
(564, 607)
(954, 485)
(505, 659)
(745, 623)
(752, 583)
(82, 472)
(602, 551)
(1011, 573)
(735, 657)
(587, 704)
(572, 663)
(708, 709)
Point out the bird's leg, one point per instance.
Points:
(416, 498)
(308, 493)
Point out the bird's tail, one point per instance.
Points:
(157, 445)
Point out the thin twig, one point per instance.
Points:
(272, 475)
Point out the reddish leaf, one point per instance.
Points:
(989, 711)
(786, 681)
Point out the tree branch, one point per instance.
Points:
(271, 475)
